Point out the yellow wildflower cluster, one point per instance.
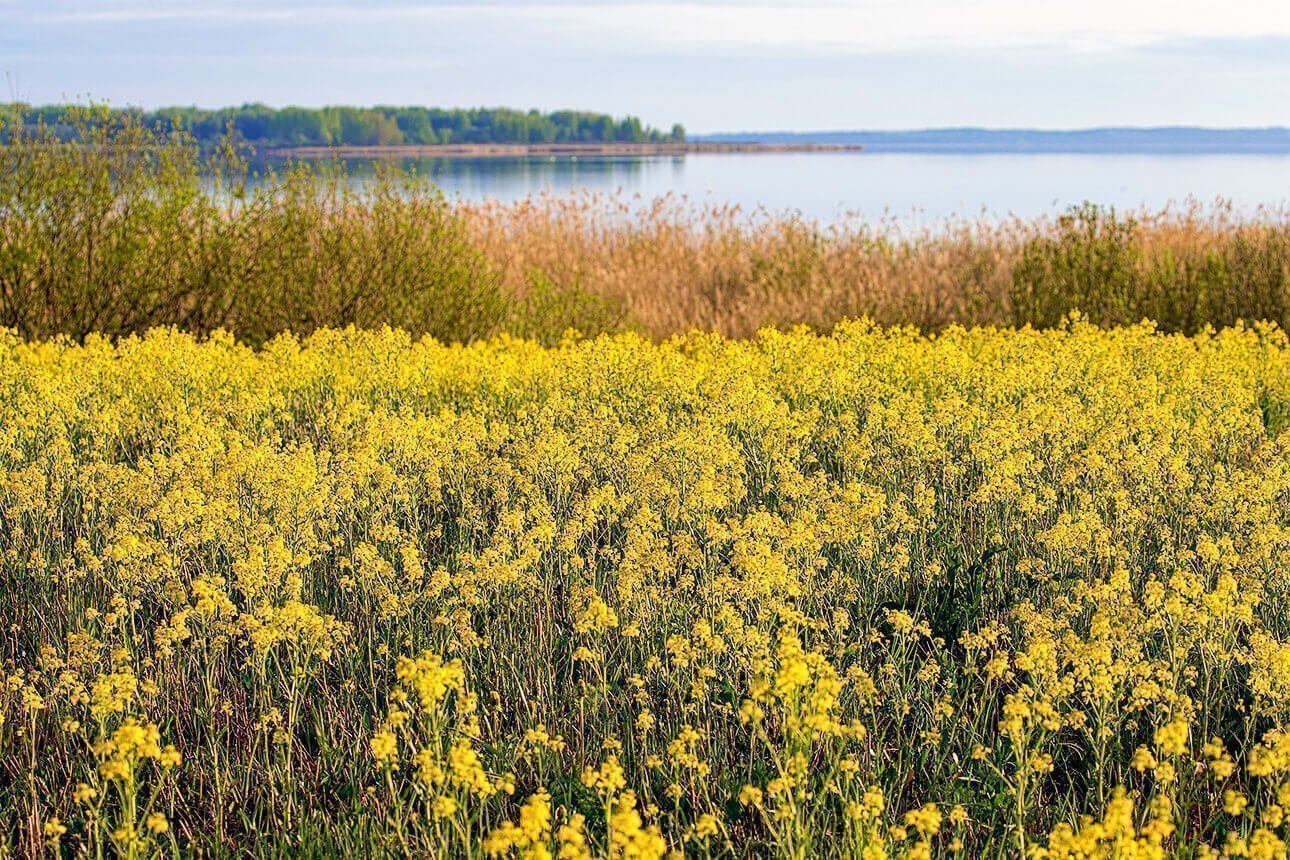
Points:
(861, 594)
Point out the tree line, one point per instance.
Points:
(261, 125)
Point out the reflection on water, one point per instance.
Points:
(909, 187)
(515, 178)
(508, 178)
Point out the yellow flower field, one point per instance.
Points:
(867, 594)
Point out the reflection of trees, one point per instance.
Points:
(488, 176)
(554, 169)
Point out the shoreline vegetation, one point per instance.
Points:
(530, 150)
(669, 265)
(131, 228)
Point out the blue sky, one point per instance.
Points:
(712, 64)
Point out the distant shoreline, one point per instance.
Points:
(1165, 140)
(530, 150)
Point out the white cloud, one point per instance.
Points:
(917, 25)
(843, 25)
(107, 14)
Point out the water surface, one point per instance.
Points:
(917, 187)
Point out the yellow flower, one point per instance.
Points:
(926, 821)
(444, 806)
(1234, 802)
(169, 756)
(1171, 739)
(384, 746)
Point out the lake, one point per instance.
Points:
(906, 187)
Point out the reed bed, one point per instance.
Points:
(674, 264)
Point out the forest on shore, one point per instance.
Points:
(264, 126)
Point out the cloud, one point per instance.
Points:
(857, 26)
(175, 12)
(1261, 49)
(713, 64)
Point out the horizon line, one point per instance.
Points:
(1005, 129)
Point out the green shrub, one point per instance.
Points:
(547, 310)
(129, 229)
(1099, 263)
(1093, 263)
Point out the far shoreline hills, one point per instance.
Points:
(1110, 140)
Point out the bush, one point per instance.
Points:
(1103, 264)
(1093, 263)
(129, 229)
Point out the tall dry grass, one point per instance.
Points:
(673, 264)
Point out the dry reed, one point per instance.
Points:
(674, 264)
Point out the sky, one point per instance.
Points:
(714, 65)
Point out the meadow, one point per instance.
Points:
(870, 593)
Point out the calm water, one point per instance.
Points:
(906, 187)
